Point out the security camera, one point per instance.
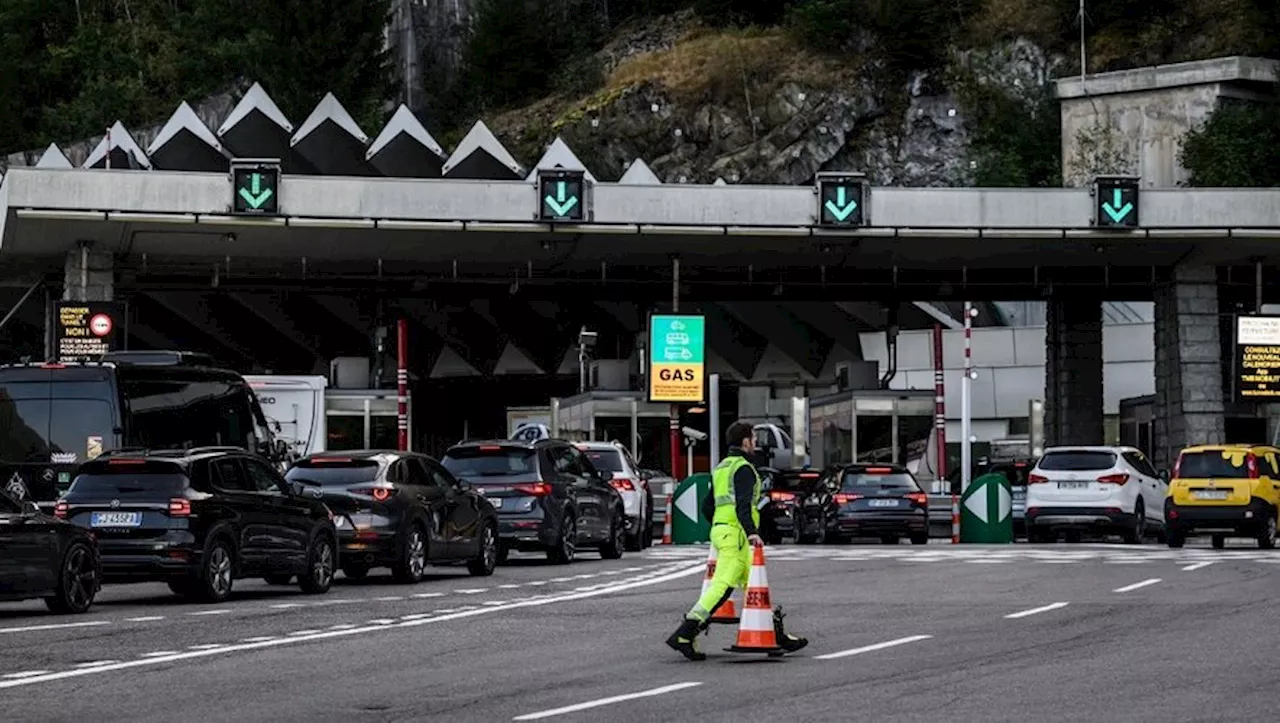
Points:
(694, 434)
(587, 339)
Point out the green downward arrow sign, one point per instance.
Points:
(255, 195)
(562, 203)
(842, 208)
(1115, 210)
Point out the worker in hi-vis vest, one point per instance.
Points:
(733, 508)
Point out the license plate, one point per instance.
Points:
(1073, 485)
(882, 503)
(1211, 494)
(115, 519)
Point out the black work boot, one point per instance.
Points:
(789, 643)
(684, 640)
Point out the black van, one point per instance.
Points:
(55, 417)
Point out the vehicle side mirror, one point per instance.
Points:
(464, 486)
(30, 508)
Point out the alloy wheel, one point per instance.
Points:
(489, 549)
(322, 568)
(220, 570)
(569, 538)
(79, 578)
(417, 553)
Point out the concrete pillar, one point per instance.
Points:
(1073, 372)
(1189, 406)
(88, 276)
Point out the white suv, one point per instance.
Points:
(1074, 490)
(637, 499)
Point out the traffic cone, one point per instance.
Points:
(666, 524)
(726, 613)
(756, 634)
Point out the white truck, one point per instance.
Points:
(297, 405)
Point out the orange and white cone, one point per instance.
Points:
(666, 524)
(726, 613)
(756, 633)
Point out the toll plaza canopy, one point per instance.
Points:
(340, 196)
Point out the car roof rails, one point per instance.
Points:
(160, 358)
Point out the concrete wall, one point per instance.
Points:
(1133, 121)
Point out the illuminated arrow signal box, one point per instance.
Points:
(843, 200)
(562, 196)
(255, 186)
(1115, 202)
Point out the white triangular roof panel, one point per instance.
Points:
(54, 158)
(451, 364)
(184, 118)
(404, 121)
(117, 137)
(560, 155)
(514, 361)
(639, 174)
(256, 99)
(720, 182)
(481, 138)
(329, 109)
(569, 365)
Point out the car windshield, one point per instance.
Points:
(127, 485)
(1077, 461)
(332, 471)
(872, 477)
(490, 461)
(605, 460)
(1206, 465)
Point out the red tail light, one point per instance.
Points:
(126, 461)
(533, 489)
(782, 496)
(808, 475)
(1035, 479)
(844, 498)
(60, 510)
(179, 507)
(919, 498)
(879, 470)
(622, 485)
(53, 366)
(1252, 463)
(379, 494)
(329, 460)
(1114, 479)
(490, 448)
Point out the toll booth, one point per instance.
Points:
(875, 425)
(364, 419)
(627, 417)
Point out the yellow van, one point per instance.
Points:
(1224, 490)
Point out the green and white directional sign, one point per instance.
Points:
(561, 196)
(1116, 202)
(842, 199)
(255, 188)
(677, 358)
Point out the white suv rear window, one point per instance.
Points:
(1080, 461)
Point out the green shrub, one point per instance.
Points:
(1238, 146)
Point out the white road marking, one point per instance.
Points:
(96, 663)
(698, 569)
(415, 616)
(206, 646)
(424, 595)
(985, 561)
(340, 601)
(24, 674)
(145, 619)
(259, 639)
(555, 579)
(872, 648)
(611, 572)
(495, 602)
(1036, 611)
(538, 582)
(1197, 566)
(220, 611)
(54, 626)
(472, 591)
(389, 598)
(607, 701)
(1137, 585)
(285, 606)
(381, 621)
(304, 632)
(508, 586)
(342, 626)
(156, 654)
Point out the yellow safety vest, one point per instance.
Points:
(723, 493)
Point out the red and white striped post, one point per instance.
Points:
(940, 427)
(402, 384)
(966, 422)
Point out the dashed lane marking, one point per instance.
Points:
(95, 663)
(425, 595)
(873, 648)
(1197, 565)
(389, 598)
(1036, 611)
(472, 591)
(259, 639)
(285, 606)
(1138, 585)
(54, 626)
(24, 674)
(342, 626)
(607, 701)
(145, 619)
(162, 657)
(220, 611)
(205, 646)
(304, 632)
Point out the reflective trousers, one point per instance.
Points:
(732, 568)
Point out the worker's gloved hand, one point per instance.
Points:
(755, 540)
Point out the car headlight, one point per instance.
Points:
(341, 521)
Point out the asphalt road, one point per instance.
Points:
(936, 633)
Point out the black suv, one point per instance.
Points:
(548, 496)
(401, 510)
(200, 518)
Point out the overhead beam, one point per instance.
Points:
(472, 336)
(269, 309)
(801, 342)
(738, 344)
(939, 315)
